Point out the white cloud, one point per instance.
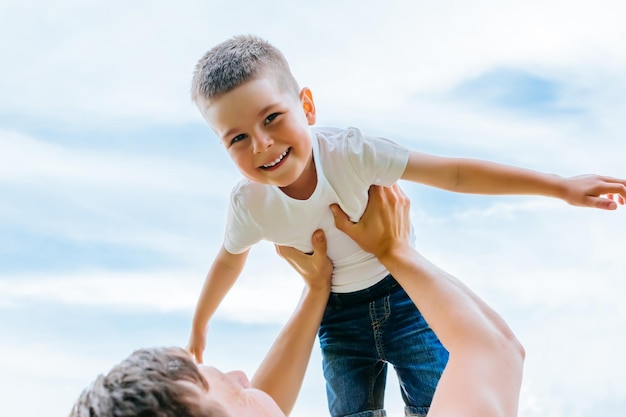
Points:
(266, 278)
(112, 196)
(90, 63)
(29, 161)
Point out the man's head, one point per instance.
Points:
(147, 383)
(165, 382)
(245, 90)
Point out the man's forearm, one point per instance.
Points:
(282, 371)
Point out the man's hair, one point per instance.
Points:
(145, 384)
(233, 62)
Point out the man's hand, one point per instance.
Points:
(385, 223)
(316, 268)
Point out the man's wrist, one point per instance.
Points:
(317, 291)
(391, 254)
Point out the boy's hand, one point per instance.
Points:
(385, 223)
(196, 345)
(316, 268)
(595, 191)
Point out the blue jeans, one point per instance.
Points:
(365, 330)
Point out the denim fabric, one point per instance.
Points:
(360, 334)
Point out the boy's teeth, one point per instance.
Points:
(280, 158)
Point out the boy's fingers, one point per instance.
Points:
(617, 198)
(602, 203)
(196, 355)
(614, 188)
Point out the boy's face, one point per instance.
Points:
(265, 131)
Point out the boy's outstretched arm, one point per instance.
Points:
(282, 371)
(222, 275)
(483, 177)
(484, 372)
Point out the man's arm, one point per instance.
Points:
(223, 273)
(483, 375)
(483, 177)
(282, 371)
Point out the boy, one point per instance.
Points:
(245, 90)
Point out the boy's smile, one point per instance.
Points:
(265, 129)
(277, 162)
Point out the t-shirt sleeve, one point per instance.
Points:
(378, 160)
(241, 230)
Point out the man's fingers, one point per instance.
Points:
(289, 253)
(319, 243)
(400, 194)
(284, 251)
(294, 256)
(342, 221)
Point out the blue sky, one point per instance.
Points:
(113, 190)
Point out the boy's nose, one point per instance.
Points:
(261, 143)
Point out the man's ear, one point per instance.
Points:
(308, 105)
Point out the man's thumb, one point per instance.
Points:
(319, 242)
(342, 221)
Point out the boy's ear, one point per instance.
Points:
(308, 105)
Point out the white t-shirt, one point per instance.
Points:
(347, 163)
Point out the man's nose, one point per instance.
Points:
(239, 378)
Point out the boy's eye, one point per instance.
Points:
(238, 138)
(271, 117)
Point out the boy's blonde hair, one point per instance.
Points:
(235, 61)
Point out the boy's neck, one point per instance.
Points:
(304, 186)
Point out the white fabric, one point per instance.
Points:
(347, 163)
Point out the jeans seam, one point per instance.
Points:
(376, 332)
